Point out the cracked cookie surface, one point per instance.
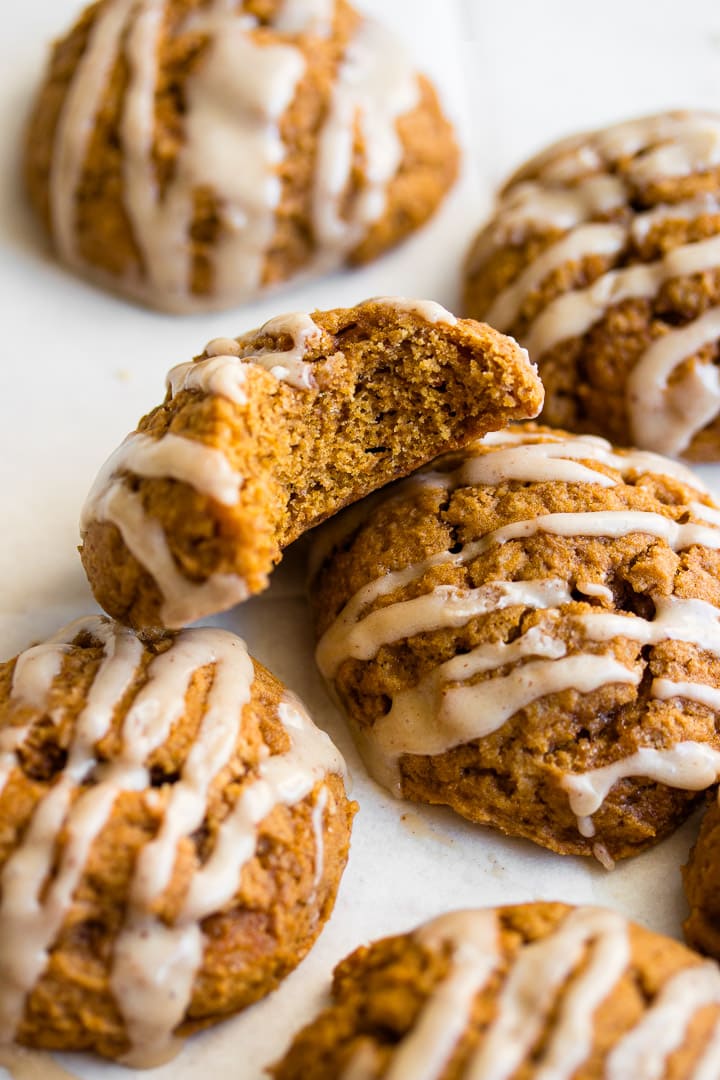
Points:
(603, 258)
(191, 154)
(527, 991)
(173, 829)
(529, 632)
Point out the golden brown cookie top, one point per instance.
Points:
(611, 239)
(541, 607)
(137, 778)
(189, 152)
(265, 435)
(535, 990)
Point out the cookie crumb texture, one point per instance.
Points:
(191, 154)
(173, 829)
(265, 435)
(516, 992)
(528, 632)
(603, 259)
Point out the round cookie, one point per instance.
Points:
(173, 829)
(528, 632)
(533, 991)
(603, 259)
(265, 435)
(191, 154)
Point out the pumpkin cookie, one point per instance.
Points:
(531, 991)
(191, 154)
(265, 435)
(173, 829)
(529, 633)
(603, 259)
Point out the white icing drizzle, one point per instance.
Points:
(433, 717)
(687, 210)
(665, 417)
(29, 924)
(595, 588)
(708, 1067)
(154, 964)
(446, 606)
(540, 970)
(573, 313)
(173, 456)
(665, 414)
(234, 102)
(530, 203)
(665, 690)
(184, 601)
(593, 239)
(537, 457)
(688, 765)
(644, 1051)
(429, 310)
(305, 17)
(223, 371)
(76, 121)
(705, 513)
(557, 982)
(446, 709)
(670, 144)
(375, 86)
(472, 938)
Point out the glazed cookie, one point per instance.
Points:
(533, 991)
(702, 886)
(173, 828)
(528, 632)
(603, 259)
(193, 153)
(265, 435)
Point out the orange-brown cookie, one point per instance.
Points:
(529, 633)
(533, 991)
(173, 829)
(265, 435)
(701, 877)
(193, 153)
(603, 259)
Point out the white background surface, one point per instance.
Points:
(80, 367)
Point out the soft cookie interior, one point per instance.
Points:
(266, 435)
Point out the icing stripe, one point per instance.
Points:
(76, 120)
(690, 766)
(184, 601)
(593, 239)
(234, 101)
(545, 1008)
(572, 314)
(154, 964)
(446, 708)
(667, 418)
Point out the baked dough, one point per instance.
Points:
(173, 829)
(529, 632)
(531, 991)
(191, 154)
(265, 435)
(603, 259)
